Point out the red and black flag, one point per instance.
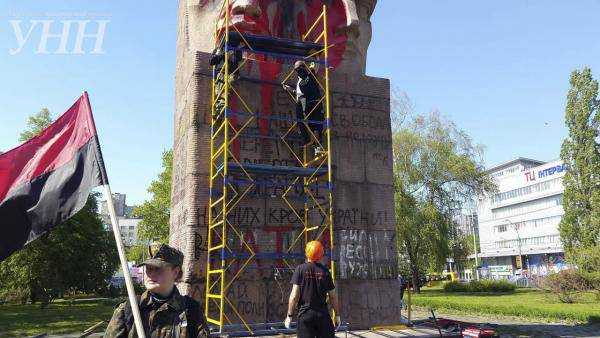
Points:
(47, 179)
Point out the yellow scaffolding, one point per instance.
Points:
(227, 170)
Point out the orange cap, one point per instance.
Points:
(314, 251)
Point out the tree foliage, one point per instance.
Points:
(137, 253)
(78, 255)
(580, 225)
(35, 124)
(155, 212)
(437, 171)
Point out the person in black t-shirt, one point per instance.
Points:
(311, 284)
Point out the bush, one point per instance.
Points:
(593, 282)
(568, 284)
(593, 279)
(456, 287)
(587, 259)
(480, 286)
(19, 295)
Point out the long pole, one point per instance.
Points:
(520, 251)
(409, 303)
(475, 249)
(137, 318)
(329, 130)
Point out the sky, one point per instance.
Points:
(499, 70)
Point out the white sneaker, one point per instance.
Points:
(319, 151)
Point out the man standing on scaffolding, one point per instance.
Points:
(311, 284)
(308, 104)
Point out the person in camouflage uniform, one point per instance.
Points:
(217, 59)
(165, 312)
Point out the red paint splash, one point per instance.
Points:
(234, 122)
(279, 231)
(271, 24)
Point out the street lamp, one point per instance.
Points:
(518, 240)
(475, 249)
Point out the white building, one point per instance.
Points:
(518, 225)
(128, 225)
(129, 228)
(121, 207)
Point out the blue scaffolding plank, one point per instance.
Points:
(275, 183)
(264, 255)
(263, 329)
(266, 169)
(288, 58)
(224, 254)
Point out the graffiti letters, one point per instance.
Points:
(367, 254)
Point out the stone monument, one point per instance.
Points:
(364, 230)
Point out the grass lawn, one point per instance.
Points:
(529, 303)
(58, 318)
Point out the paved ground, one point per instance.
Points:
(507, 326)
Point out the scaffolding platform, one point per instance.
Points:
(265, 169)
(270, 44)
(263, 255)
(266, 330)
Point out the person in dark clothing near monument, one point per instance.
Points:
(308, 103)
(217, 60)
(311, 284)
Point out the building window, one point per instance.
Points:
(531, 241)
(502, 228)
(542, 186)
(527, 207)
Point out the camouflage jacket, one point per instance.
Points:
(178, 317)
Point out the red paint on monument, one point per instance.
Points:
(279, 232)
(268, 72)
(272, 22)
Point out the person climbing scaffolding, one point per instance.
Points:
(217, 60)
(309, 105)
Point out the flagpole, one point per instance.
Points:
(128, 282)
(137, 318)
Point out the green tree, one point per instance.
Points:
(155, 212)
(460, 247)
(35, 124)
(580, 225)
(437, 172)
(137, 253)
(78, 255)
